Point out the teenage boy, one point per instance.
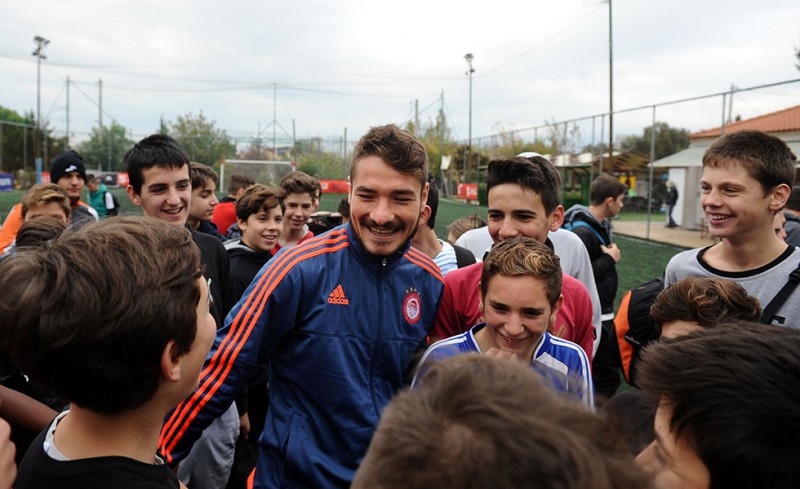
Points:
(747, 178)
(301, 192)
(204, 199)
(338, 318)
(727, 413)
(446, 256)
(593, 226)
(133, 352)
(68, 172)
(792, 214)
(225, 212)
(523, 201)
(520, 294)
(160, 183)
(43, 199)
(259, 214)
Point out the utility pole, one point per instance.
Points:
(469, 57)
(610, 88)
(416, 116)
(274, 119)
(41, 43)
(100, 110)
(66, 139)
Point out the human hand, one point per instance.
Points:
(244, 426)
(8, 469)
(612, 251)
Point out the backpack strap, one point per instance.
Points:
(575, 224)
(464, 257)
(781, 296)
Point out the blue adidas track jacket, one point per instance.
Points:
(338, 327)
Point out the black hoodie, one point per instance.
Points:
(245, 264)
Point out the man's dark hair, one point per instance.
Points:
(39, 232)
(794, 199)
(480, 421)
(605, 186)
(734, 393)
(766, 158)
(344, 207)
(239, 181)
(534, 173)
(89, 317)
(398, 148)
(158, 150)
(433, 203)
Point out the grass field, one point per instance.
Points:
(642, 260)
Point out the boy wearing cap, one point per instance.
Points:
(68, 172)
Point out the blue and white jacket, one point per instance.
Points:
(338, 327)
(562, 364)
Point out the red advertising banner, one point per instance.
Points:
(334, 186)
(468, 191)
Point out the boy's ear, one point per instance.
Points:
(133, 196)
(171, 362)
(554, 312)
(780, 195)
(557, 218)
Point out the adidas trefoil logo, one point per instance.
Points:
(337, 296)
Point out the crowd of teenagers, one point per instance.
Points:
(250, 342)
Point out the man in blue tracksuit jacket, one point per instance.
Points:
(338, 318)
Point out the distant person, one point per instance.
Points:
(68, 172)
(301, 191)
(446, 256)
(161, 184)
(792, 214)
(225, 211)
(671, 199)
(747, 178)
(133, 352)
(338, 318)
(100, 198)
(689, 305)
(204, 200)
(727, 414)
(463, 224)
(593, 226)
(344, 209)
(520, 289)
(482, 422)
(523, 201)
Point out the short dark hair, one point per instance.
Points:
(521, 256)
(38, 232)
(734, 393)
(200, 173)
(480, 421)
(157, 150)
(259, 198)
(766, 158)
(465, 223)
(239, 181)
(534, 173)
(794, 199)
(605, 186)
(398, 148)
(298, 182)
(88, 317)
(344, 207)
(433, 203)
(706, 302)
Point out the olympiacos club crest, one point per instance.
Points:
(412, 306)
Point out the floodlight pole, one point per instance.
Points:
(469, 57)
(41, 43)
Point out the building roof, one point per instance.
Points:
(781, 121)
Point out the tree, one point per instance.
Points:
(17, 150)
(105, 149)
(202, 140)
(669, 140)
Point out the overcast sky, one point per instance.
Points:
(358, 63)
